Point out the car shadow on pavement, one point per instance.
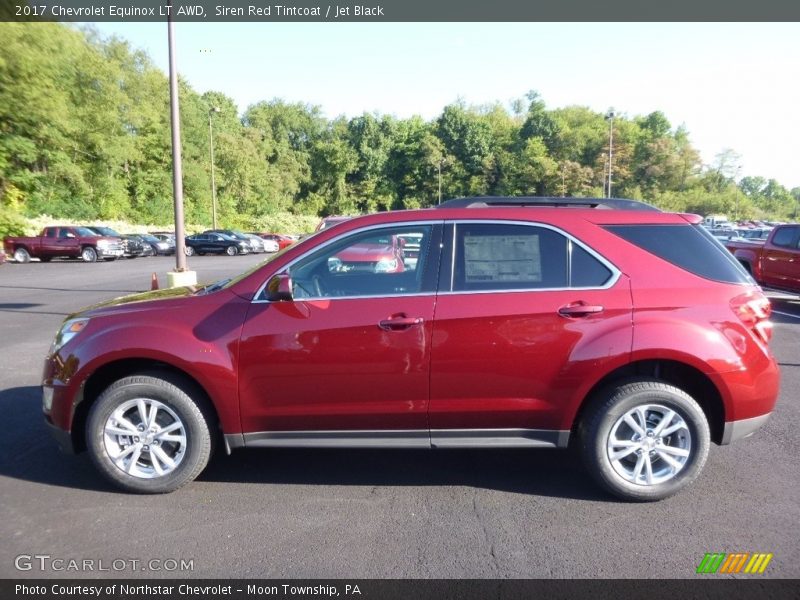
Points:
(541, 472)
(28, 452)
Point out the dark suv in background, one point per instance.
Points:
(629, 333)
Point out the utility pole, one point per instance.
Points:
(610, 118)
(211, 111)
(181, 276)
(439, 165)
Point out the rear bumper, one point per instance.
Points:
(738, 430)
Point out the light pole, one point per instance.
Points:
(439, 165)
(181, 275)
(211, 111)
(610, 118)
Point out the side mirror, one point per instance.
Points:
(279, 288)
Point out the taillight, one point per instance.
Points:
(754, 309)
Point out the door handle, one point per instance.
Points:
(579, 309)
(399, 322)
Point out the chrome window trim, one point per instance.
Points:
(612, 281)
(289, 265)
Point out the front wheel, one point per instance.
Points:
(147, 435)
(231, 251)
(644, 440)
(21, 255)
(89, 254)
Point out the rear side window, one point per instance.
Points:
(689, 247)
(499, 256)
(784, 237)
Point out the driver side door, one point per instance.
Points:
(347, 360)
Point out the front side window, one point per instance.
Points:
(380, 262)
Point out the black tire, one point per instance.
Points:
(178, 396)
(609, 406)
(21, 255)
(88, 254)
(46, 259)
(188, 251)
(231, 251)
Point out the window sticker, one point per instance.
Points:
(489, 258)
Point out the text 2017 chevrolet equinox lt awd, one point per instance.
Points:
(607, 325)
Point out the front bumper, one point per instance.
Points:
(109, 252)
(63, 438)
(738, 430)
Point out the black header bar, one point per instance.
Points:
(378, 11)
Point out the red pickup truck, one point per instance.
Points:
(75, 242)
(773, 263)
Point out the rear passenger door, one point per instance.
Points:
(525, 314)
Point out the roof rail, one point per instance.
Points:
(548, 201)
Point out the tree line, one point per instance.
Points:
(85, 134)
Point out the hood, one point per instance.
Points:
(157, 299)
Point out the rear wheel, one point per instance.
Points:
(21, 255)
(188, 251)
(89, 254)
(146, 434)
(644, 440)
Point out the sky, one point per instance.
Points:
(731, 85)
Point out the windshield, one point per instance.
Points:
(106, 231)
(226, 283)
(84, 232)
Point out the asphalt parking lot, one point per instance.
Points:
(368, 514)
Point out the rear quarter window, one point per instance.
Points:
(689, 247)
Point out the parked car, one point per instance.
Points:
(754, 233)
(774, 262)
(283, 241)
(379, 253)
(167, 238)
(252, 247)
(524, 322)
(69, 242)
(215, 243)
(131, 246)
(330, 221)
(257, 245)
(725, 235)
(2, 256)
(158, 246)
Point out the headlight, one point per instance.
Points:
(103, 243)
(386, 265)
(69, 330)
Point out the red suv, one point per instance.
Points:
(629, 333)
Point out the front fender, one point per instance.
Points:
(201, 339)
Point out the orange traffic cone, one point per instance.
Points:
(154, 282)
